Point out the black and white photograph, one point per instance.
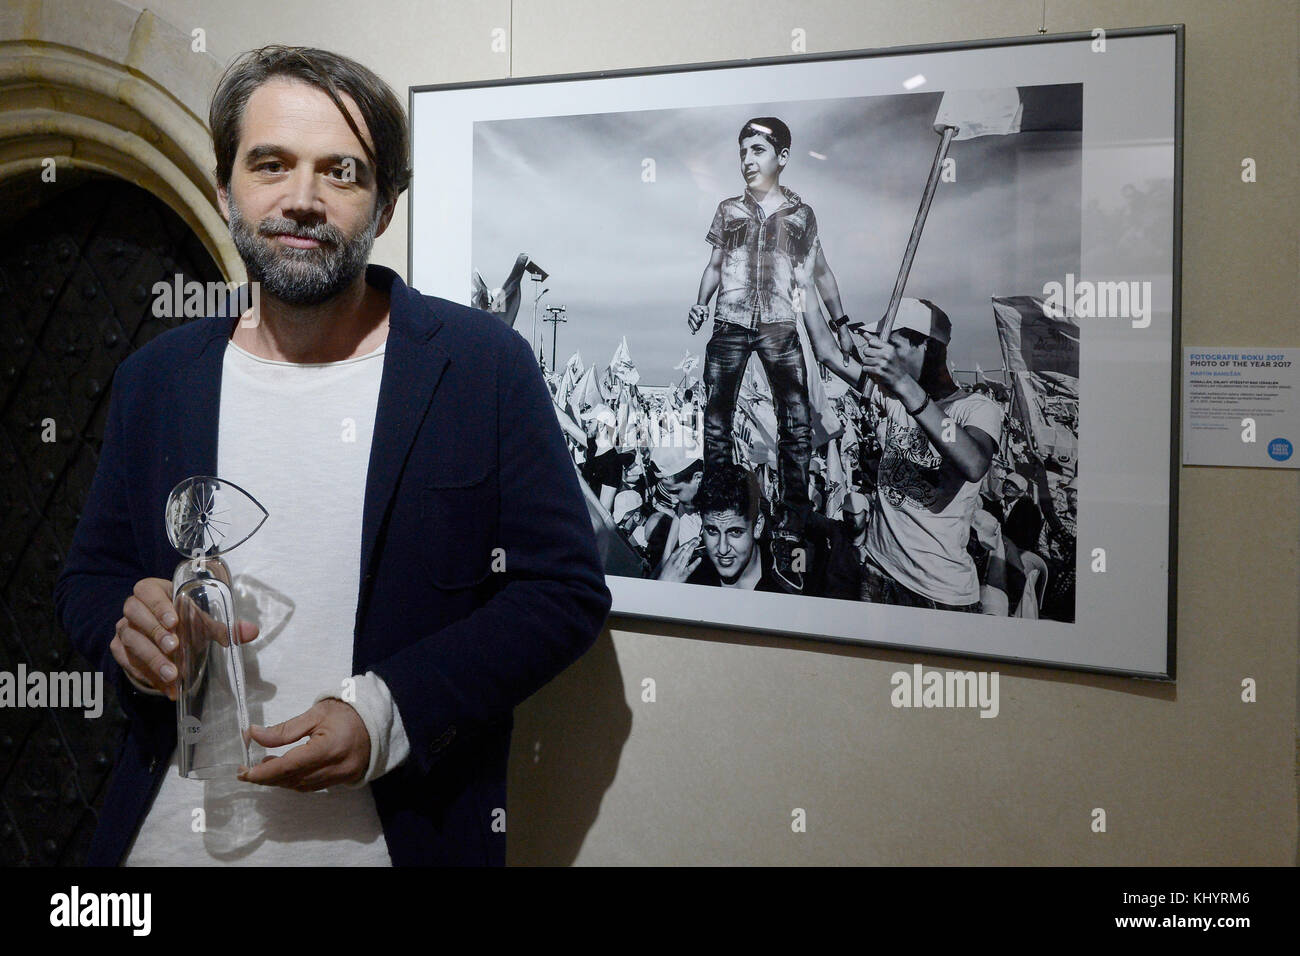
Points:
(725, 441)
(824, 348)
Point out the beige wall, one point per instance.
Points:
(748, 727)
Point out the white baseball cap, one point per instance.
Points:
(624, 502)
(672, 459)
(916, 315)
(1017, 481)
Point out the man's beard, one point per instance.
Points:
(302, 277)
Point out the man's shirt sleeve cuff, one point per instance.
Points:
(389, 746)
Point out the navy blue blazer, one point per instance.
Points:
(467, 457)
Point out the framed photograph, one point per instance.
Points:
(875, 347)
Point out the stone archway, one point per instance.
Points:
(100, 87)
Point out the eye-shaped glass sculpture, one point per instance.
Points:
(206, 518)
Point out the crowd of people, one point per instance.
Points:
(640, 453)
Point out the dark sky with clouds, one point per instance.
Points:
(625, 256)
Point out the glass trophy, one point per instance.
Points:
(207, 518)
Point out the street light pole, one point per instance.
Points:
(557, 315)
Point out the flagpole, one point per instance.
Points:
(909, 254)
(1014, 387)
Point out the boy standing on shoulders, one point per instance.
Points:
(765, 252)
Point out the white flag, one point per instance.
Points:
(572, 372)
(585, 394)
(621, 366)
(980, 112)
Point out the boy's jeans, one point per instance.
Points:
(726, 355)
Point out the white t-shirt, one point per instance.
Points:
(297, 438)
(922, 510)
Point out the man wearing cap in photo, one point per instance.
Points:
(603, 468)
(1000, 491)
(938, 442)
(1014, 487)
(679, 470)
(626, 505)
